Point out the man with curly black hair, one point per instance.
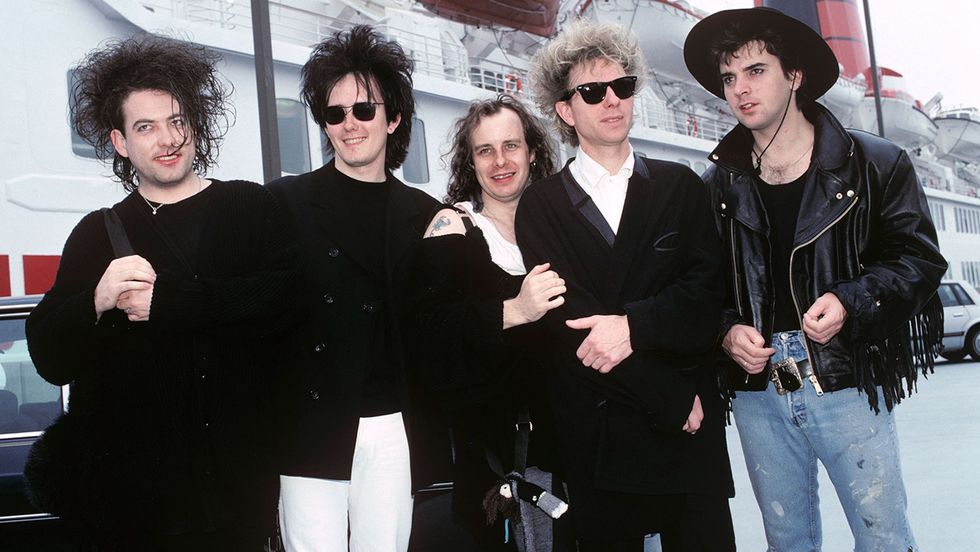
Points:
(167, 348)
(352, 431)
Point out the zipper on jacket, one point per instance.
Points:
(792, 292)
(735, 285)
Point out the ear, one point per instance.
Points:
(394, 124)
(796, 77)
(564, 111)
(530, 158)
(119, 142)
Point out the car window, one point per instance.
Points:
(27, 402)
(961, 296)
(947, 296)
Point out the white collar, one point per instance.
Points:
(592, 171)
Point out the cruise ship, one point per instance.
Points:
(463, 50)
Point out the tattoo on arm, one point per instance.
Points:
(439, 224)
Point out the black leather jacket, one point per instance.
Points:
(863, 233)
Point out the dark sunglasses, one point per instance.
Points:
(363, 111)
(594, 92)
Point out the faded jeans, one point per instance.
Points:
(784, 436)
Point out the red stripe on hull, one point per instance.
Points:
(4, 276)
(39, 272)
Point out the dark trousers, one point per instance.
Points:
(686, 523)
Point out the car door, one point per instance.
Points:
(955, 315)
(28, 404)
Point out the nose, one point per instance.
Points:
(610, 99)
(500, 160)
(170, 137)
(350, 122)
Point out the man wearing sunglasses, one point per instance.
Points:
(831, 252)
(641, 421)
(351, 431)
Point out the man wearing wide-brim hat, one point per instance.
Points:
(833, 268)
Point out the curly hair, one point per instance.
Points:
(375, 63)
(463, 184)
(580, 42)
(736, 36)
(108, 75)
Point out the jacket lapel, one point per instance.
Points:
(641, 213)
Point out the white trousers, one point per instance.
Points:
(377, 501)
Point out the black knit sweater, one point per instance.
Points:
(174, 411)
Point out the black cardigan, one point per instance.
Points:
(175, 410)
(621, 432)
(325, 366)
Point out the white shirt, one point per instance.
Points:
(607, 190)
(503, 253)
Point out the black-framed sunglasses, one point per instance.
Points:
(363, 111)
(594, 92)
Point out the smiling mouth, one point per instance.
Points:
(503, 176)
(747, 106)
(167, 158)
(354, 141)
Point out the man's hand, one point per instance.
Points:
(136, 304)
(747, 347)
(607, 344)
(824, 319)
(540, 292)
(130, 273)
(693, 423)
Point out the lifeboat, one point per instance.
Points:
(904, 121)
(660, 25)
(959, 134)
(846, 94)
(533, 16)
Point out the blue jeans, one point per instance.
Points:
(784, 436)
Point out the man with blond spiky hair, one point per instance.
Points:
(632, 385)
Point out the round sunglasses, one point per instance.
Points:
(594, 92)
(363, 111)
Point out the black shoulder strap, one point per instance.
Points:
(117, 233)
(465, 217)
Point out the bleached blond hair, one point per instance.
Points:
(581, 42)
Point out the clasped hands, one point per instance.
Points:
(127, 285)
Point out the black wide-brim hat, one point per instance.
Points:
(817, 60)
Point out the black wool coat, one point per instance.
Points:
(171, 415)
(621, 431)
(325, 367)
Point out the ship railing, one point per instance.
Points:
(441, 56)
(498, 77)
(288, 23)
(654, 113)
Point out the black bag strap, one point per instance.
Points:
(465, 217)
(522, 438)
(117, 233)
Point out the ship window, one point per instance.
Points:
(325, 148)
(416, 167)
(938, 216)
(79, 146)
(294, 141)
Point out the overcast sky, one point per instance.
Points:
(935, 44)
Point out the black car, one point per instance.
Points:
(28, 404)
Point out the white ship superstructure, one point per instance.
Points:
(49, 180)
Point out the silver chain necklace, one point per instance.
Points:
(155, 208)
